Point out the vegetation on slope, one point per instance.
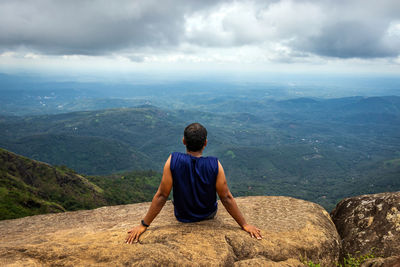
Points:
(129, 187)
(29, 187)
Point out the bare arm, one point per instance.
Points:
(157, 204)
(230, 204)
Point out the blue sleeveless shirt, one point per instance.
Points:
(194, 179)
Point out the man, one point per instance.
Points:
(196, 181)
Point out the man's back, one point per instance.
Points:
(194, 190)
(196, 180)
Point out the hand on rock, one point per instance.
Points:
(134, 234)
(252, 230)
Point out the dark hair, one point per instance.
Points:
(195, 136)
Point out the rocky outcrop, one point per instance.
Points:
(293, 230)
(393, 261)
(369, 222)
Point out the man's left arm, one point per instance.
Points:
(230, 204)
(157, 204)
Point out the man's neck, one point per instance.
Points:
(195, 154)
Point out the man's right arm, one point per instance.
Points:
(157, 204)
(230, 204)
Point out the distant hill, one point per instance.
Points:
(29, 187)
(86, 154)
(94, 142)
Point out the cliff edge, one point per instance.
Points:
(293, 230)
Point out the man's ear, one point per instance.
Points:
(184, 141)
(205, 143)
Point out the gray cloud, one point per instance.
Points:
(356, 29)
(136, 58)
(351, 39)
(342, 29)
(335, 28)
(93, 27)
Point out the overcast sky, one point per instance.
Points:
(127, 35)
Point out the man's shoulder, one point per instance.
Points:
(185, 155)
(212, 158)
(177, 158)
(175, 155)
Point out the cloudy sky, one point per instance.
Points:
(206, 35)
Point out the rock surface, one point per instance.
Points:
(293, 230)
(382, 262)
(369, 222)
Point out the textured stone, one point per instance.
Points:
(262, 262)
(369, 222)
(293, 230)
(382, 262)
